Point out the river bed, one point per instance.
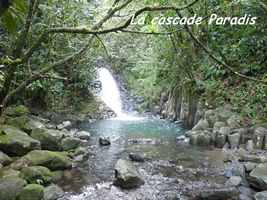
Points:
(173, 170)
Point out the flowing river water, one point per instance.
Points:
(173, 170)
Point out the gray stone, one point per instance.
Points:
(10, 188)
(15, 142)
(48, 141)
(126, 175)
(211, 116)
(50, 159)
(104, 141)
(53, 192)
(201, 138)
(261, 195)
(234, 181)
(137, 157)
(64, 125)
(258, 177)
(70, 143)
(83, 135)
(219, 194)
(235, 169)
(249, 166)
(218, 125)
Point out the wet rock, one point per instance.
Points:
(104, 141)
(4, 159)
(201, 125)
(50, 159)
(234, 181)
(48, 141)
(221, 136)
(261, 195)
(83, 135)
(64, 125)
(235, 169)
(258, 177)
(234, 139)
(37, 174)
(15, 142)
(32, 192)
(246, 193)
(249, 166)
(53, 192)
(253, 158)
(10, 188)
(126, 175)
(70, 143)
(259, 137)
(137, 157)
(219, 194)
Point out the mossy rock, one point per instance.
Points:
(4, 159)
(37, 174)
(48, 140)
(32, 192)
(11, 187)
(21, 122)
(16, 111)
(9, 173)
(50, 159)
(15, 142)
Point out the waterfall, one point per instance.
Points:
(110, 92)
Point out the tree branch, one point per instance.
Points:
(217, 60)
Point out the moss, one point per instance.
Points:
(17, 111)
(50, 159)
(37, 174)
(32, 192)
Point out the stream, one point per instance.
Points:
(173, 169)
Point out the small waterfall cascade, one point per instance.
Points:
(110, 94)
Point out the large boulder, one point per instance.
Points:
(137, 157)
(258, 177)
(261, 195)
(201, 138)
(50, 159)
(218, 125)
(201, 125)
(219, 194)
(211, 116)
(15, 142)
(32, 192)
(10, 188)
(4, 159)
(70, 143)
(48, 140)
(126, 175)
(83, 135)
(9, 173)
(37, 174)
(53, 192)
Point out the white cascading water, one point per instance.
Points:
(110, 92)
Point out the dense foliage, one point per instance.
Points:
(170, 62)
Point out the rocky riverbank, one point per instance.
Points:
(244, 148)
(35, 154)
